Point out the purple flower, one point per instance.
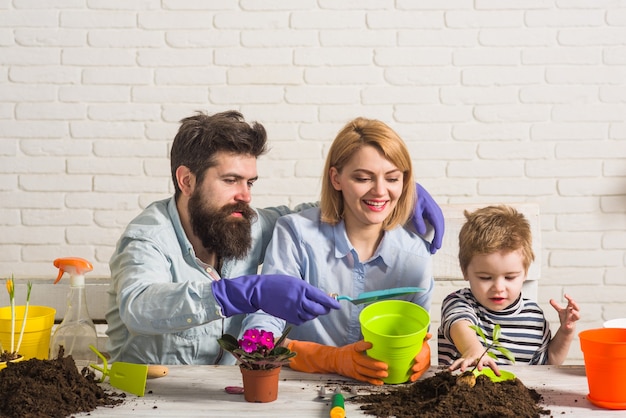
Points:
(252, 335)
(248, 345)
(250, 341)
(267, 339)
(256, 350)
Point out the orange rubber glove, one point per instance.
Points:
(349, 360)
(422, 360)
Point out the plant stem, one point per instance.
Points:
(481, 356)
(19, 342)
(12, 325)
(495, 343)
(11, 290)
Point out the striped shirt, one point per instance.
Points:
(524, 329)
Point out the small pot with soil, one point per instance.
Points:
(12, 355)
(6, 357)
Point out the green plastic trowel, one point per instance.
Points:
(128, 377)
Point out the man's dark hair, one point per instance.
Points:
(201, 136)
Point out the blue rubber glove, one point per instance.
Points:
(286, 297)
(427, 209)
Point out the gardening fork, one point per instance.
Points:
(337, 409)
(323, 394)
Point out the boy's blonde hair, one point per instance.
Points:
(355, 135)
(492, 229)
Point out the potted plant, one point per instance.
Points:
(13, 354)
(260, 359)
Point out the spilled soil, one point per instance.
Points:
(440, 396)
(51, 388)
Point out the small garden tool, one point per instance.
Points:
(128, 377)
(337, 397)
(375, 295)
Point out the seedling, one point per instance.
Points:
(13, 354)
(469, 378)
(495, 345)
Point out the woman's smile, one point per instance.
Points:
(376, 205)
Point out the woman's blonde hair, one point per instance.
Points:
(355, 135)
(493, 229)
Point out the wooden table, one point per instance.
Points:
(198, 391)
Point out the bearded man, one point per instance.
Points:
(184, 271)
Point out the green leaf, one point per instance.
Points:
(479, 332)
(282, 337)
(496, 334)
(506, 353)
(228, 343)
(494, 345)
(278, 351)
(29, 288)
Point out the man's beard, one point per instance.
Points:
(219, 231)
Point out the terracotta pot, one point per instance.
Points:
(3, 364)
(260, 385)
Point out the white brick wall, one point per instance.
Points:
(519, 101)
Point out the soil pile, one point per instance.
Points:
(51, 388)
(440, 396)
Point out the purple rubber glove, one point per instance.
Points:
(286, 297)
(427, 209)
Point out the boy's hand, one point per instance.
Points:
(468, 361)
(568, 315)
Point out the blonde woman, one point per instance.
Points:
(358, 240)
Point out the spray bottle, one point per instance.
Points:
(77, 331)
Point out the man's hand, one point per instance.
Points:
(286, 297)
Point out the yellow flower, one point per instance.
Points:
(10, 288)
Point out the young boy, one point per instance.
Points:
(495, 253)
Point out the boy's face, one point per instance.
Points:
(496, 279)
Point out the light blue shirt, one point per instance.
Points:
(178, 321)
(304, 246)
